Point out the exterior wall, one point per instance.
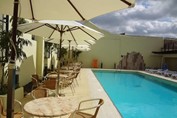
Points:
(28, 66)
(109, 49)
(171, 61)
(104, 50)
(144, 45)
(40, 55)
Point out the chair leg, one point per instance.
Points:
(72, 89)
(76, 82)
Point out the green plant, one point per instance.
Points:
(63, 52)
(3, 89)
(5, 51)
(76, 54)
(47, 48)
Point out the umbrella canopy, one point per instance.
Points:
(63, 9)
(80, 42)
(78, 47)
(62, 30)
(54, 30)
(53, 9)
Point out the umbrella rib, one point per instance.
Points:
(76, 42)
(76, 9)
(71, 34)
(49, 39)
(54, 28)
(65, 27)
(126, 2)
(87, 33)
(62, 28)
(34, 28)
(2, 21)
(72, 28)
(52, 33)
(88, 42)
(32, 13)
(57, 28)
(50, 26)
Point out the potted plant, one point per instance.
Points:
(76, 54)
(62, 54)
(5, 46)
(49, 48)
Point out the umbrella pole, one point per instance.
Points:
(59, 91)
(69, 53)
(11, 68)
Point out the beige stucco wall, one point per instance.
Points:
(40, 55)
(27, 66)
(110, 48)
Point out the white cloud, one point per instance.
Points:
(148, 17)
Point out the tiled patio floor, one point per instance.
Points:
(89, 87)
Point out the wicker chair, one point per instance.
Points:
(81, 112)
(37, 80)
(42, 92)
(18, 114)
(68, 82)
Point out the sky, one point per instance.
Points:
(148, 18)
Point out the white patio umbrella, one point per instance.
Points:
(53, 9)
(78, 47)
(90, 41)
(63, 9)
(58, 30)
(71, 43)
(61, 30)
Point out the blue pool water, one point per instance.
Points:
(139, 96)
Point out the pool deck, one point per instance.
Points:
(89, 87)
(108, 110)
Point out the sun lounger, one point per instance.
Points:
(161, 72)
(174, 76)
(169, 73)
(153, 71)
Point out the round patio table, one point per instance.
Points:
(51, 106)
(54, 76)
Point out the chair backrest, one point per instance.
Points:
(96, 106)
(39, 93)
(17, 114)
(35, 79)
(51, 84)
(42, 92)
(1, 107)
(36, 76)
(101, 101)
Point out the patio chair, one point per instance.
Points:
(77, 71)
(169, 73)
(82, 112)
(51, 83)
(18, 114)
(42, 92)
(37, 80)
(68, 82)
(174, 76)
(152, 71)
(161, 72)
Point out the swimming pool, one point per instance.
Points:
(138, 95)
